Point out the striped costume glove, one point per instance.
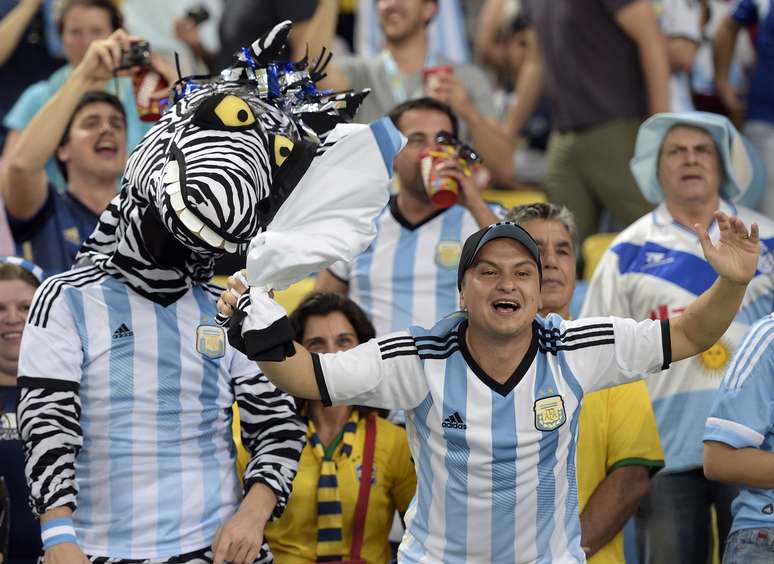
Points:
(259, 327)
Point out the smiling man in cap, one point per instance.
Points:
(692, 165)
(492, 393)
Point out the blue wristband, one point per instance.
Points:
(57, 531)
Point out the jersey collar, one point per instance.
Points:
(506, 387)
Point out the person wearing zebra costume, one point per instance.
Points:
(126, 416)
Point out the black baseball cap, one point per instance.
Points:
(506, 229)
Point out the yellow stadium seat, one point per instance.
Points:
(292, 296)
(511, 198)
(592, 250)
(288, 298)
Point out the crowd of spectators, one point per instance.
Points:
(640, 118)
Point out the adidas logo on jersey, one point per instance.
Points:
(454, 421)
(123, 331)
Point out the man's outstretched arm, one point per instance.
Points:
(735, 259)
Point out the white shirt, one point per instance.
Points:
(495, 462)
(156, 471)
(655, 269)
(408, 276)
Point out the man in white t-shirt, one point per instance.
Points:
(492, 395)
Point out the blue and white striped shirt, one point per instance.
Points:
(743, 417)
(155, 472)
(408, 276)
(495, 462)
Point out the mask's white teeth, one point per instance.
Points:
(210, 237)
(177, 202)
(230, 247)
(173, 188)
(171, 173)
(190, 220)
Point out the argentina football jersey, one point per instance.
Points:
(153, 389)
(408, 275)
(742, 417)
(495, 462)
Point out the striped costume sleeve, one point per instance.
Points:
(271, 431)
(386, 372)
(49, 406)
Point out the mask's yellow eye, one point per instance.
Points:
(234, 112)
(282, 149)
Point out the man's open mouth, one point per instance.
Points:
(506, 306)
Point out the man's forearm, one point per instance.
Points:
(611, 505)
(482, 213)
(13, 25)
(655, 68)
(295, 375)
(723, 49)
(260, 502)
(529, 87)
(492, 144)
(706, 319)
(749, 467)
(39, 140)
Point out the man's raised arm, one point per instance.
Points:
(735, 259)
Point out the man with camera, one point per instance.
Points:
(407, 275)
(84, 128)
(79, 23)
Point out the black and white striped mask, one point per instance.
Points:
(210, 175)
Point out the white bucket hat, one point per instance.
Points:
(740, 172)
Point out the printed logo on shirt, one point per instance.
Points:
(123, 331)
(447, 254)
(211, 341)
(549, 413)
(768, 509)
(8, 428)
(715, 359)
(655, 258)
(71, 234)
(454, 421)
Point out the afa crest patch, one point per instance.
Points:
(211, 341)
(447, 254)
(549, 413)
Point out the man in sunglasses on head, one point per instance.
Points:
(408, 274)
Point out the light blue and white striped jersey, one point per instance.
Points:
(495, 462)
(743, 417)
(156, 469)
(654, 269)
(408, 276)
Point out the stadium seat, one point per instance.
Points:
(289, 298)
(511, 198)
(292, 296)
(592, 250)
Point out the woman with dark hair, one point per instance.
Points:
(326, 517)
(21, 545)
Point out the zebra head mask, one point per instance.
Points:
(211, 174)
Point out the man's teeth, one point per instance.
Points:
(506, 304)
(171, 178)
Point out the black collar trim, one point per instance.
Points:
(506, 387)
(396, 213)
